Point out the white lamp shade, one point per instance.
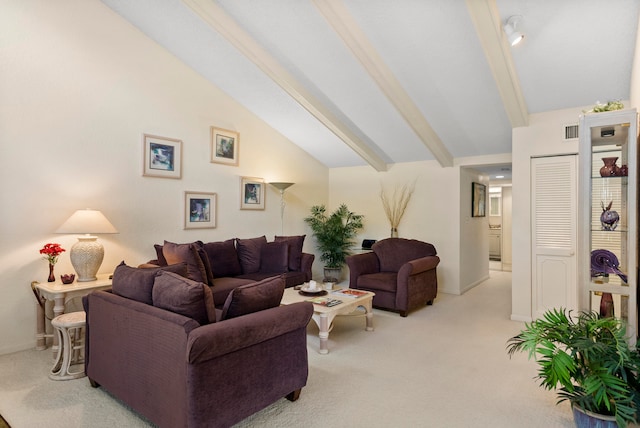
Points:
(281, 186)
(87, 221)
(86, 255)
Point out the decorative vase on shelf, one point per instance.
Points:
(610, 169)
(606, 306)
(52, 277)
(609, 218)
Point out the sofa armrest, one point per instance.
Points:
(306, 263)
(414, 267)
(361, 264)
(224, 337)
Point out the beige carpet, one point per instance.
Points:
(443, 366)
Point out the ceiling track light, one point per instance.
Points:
(510, 29)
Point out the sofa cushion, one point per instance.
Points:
(274, 257)
(249, 251)
(380, 281)
(255, 297)
(295, 244)
(225, 285)
(184, 296)
(137, 284)
(223, 258)
(190, 254)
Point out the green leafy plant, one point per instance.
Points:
(334, 233)
(588, 357)
(609, 106)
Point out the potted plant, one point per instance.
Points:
(590, 359)
(334, 235)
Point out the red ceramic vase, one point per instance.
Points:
(610, 169)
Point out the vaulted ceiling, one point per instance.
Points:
(357, 82)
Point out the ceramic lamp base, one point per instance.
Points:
(86, 257)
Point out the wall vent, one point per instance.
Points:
(570, 132)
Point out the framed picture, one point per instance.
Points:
(251, 193)
(478, 200)
(225, 146)
(199, 210)
(162, 157)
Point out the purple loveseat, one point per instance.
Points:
(402, 273)
(225, 265)
(180, 372)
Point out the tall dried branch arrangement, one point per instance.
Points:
(396, 205)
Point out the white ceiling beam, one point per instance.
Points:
(338, 16)
(486, 18)
(224, 24)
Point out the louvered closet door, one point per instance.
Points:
(554, 224)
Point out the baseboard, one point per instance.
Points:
(520, 318)
(474, 284)
(17, 347)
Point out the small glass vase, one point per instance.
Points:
(52, 277)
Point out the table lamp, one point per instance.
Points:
(87, 254)
(282, 187)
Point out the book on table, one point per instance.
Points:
(349, 292)
(324, 301)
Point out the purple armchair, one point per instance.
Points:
(402, 273)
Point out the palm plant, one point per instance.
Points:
(334, 233)
(589, 358)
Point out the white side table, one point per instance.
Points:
(61, 293)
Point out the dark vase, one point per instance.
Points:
(52, 277)
(606, 306)
(610, 169)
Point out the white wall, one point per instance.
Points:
(543, 137)
(507, 228)
(439, 212)
(474, 233)
(79, 87)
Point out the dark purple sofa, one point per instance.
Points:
(402, 273)
(179, 372)
(225, 265)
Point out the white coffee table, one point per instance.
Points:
(323, 316)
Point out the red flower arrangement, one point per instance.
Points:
(51, 252)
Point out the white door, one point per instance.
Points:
(554, 223)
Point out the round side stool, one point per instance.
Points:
(70, 331)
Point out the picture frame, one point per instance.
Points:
(200, 210)
(478, 200)
(225, 146)
(162, 157)
(252, 193)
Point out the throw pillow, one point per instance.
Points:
(137, 284)
(254, 297)
(184, 296)
(249, 251)
(189, 253)
(159, 256)
(274, 257)
(295, 250)
(223, 258)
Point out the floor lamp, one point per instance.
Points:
(282, 187)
